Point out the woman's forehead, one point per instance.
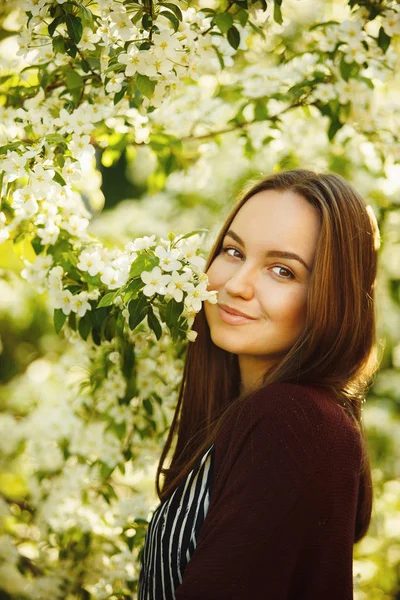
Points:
(271, 216)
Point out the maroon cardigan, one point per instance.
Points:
(281, 519)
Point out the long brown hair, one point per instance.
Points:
(337, 348)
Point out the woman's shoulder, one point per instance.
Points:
(299, 401)
(304, 415)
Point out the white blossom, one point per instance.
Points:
(178, 284)
(354, 53)
(80, 145)
(155, 281)
(351, 32)
(41, 178)
(36, 271)
(121, 27)
(76, 225)
(54, 279)
(48, 234)
(112, 278)
(13, 166)
(114, 84)
(71, 171)
(79, 303)
(324, 92)
(143, 243)
(89, 39)
(63, 299)
(91, 261)
(191, 335)
(25, 202)
(391, 22)
(168, 258)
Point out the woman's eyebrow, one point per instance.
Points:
(279, 253)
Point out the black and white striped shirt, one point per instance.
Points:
(173, 531)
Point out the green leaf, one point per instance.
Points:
(109, 327)
(74, 28)
(54, 24)
(278, 12)
(324, 24)
(334, 127)
(73, 259)
(173, 312)
(85, 326)
(175, 9)
(243, 17)
(138, 15)
(74, 80)
(260, 111)
(188, 235)
(223, 21)
(105, 471)
(258, 30)
(145, 85)
(106, 300)
(98, 315)
(120, 325)
(5, 78)
(58, 45)
(367, 81)
(143, 262)
(58, 178)
(70, 48)
(154, 323)
(147, 22)
(148, 406)
(55, 139)
(36, 244)
(96, 337)
(345, 68)
(59, 319)
(72, 320)
(86, 15)
(137, 311)
(171, 17)
(119, 95)
(234, 37)
(133, 288)
(10, 146)
(207, 11)
(383, 40)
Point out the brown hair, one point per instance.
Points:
(337, 348)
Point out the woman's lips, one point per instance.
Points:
(233, 319)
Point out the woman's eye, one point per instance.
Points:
(225, 250)
(286, 273)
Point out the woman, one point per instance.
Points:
(269, 485)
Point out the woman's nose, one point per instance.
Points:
(241, 283)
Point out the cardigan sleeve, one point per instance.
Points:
(261, 511)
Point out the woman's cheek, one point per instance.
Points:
(217, 274)
(284, 303)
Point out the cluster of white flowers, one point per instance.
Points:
(167, 280)
(67, 493)
(179, 275)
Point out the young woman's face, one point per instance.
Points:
(255, 275)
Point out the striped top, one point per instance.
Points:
(173, 531)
